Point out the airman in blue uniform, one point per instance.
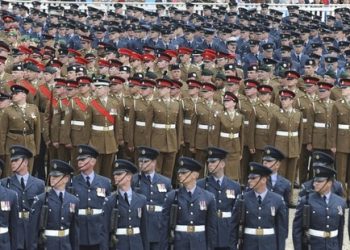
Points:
(26, 187)
(272, 159)
(195, 225)
(91, 189)
(225, 191)
(125, 213)
(326, 210)
(155, 187)
(8, 217)
(53, 220)
(265, 222)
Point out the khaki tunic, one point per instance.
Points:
(321, 133)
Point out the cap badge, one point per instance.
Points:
(143, 152)
(13, 151)
(55, 166)
(318, 171)
(210, 152)
(251, 168)
(268, 151)
(116, 165)
(181, 163)
(317, 157)
(80, 150)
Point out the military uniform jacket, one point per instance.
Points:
(271, 214)
(247, 110)
(292, 128)
(143, 123)
(20, 127)
(33, 188)
(323, 217)
(225, 196)
(308, 186)
(8, 219)
(51, 121)
(60, 217)
(131, 216)
(166, 139)
(282, 187)
(231, 132)
(321, 133)
(189, 125)
(207, 125)
(127, 116)
(155, 193)
(199, 209)
(77, 122)
(305, 106)
(263, 117)
(91, 197)
(106, 142)
(340, 132)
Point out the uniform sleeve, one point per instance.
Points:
(179, 126)
(107, 212)
(34, 218)
(341, 226)
(334, 126)
(298, 226)
(165, 223)
(211, 224)
(67, 124)
(282, 225)
(235, 226)
(144, 223)
(131, 125)
(3, 132)
(14, 222)
(301, 131)
(194, 126)
(74, 229)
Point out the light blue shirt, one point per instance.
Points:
(192, 190)
(273, 179)
(129, 192)
(219, 179)
(91, 175)
(263, 194)
(328, 195)
(25, 178)
(58, 192)
(151, 175)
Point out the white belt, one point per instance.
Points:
(3, 230)
(343, 126)
(62, 122)
(126, 119)
(57, 233)
(141, 124)
(323, 234)
(102, 128)
(304, 120)
(154, 208)
(23, 215)
(165, 126)
(89, 211)
(262, 126)
(78, 123)
(128, 231)
(246, 122)
(206, 127)
(224, 214)
(319, 125)
(229, 135)
(286, 133)
(190, 228)
(187, 121)
(259, 231)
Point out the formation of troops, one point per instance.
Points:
(169, 129)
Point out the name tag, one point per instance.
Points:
(161, 188)
(5, 206)
(230, 194)
(101, 192)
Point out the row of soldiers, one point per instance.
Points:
(145, 212)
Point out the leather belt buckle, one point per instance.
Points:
(326, 234)
(190, 229)
(231, 136)
(129, 231)
(89, 211)
(60, 233)
(259, 231)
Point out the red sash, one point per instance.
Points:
(65, 101)
(80, 104)
(28, 86)
(45, 91)
(102, 110)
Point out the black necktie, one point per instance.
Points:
(149, 178)
(190, 194)
(88, 181)
(22, 183)
(126, 198)
(60, 196)
(259, 199)
(325, 198)
(218, 182)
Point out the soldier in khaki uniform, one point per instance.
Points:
(207, 123)
(231, 135)
(340, 137)
(305, 104)
(142, 117)
(106, 127)
(20, 124)
(189, 115)
(4, 76)
(166, 132)
(77, 121)
(321, 133)
(287, 128)
(264, 112)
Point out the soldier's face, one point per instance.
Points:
(4, 103)
(264, 97)
(86, 164)
(147, 165)
(273, 165)
(322, 185)
(18, 164)
(59, 182)
(193, 91)
(187, 177)
(215, 166)
(229, 104)
(324, 94)
(18, 96)
(121, 179)
(286, 102)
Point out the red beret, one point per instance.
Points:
(60, 82)
(71, 84)
(136, 56)
(251, 83)
(124, 51)
(286, 93)
(74, 52)
(208, 86)
(292, 74)
(148, 57)
(103, 63)
(176, 84)
(171, 53)
(164, 83)
(24, 50)
(344, 82)
(184, 51)
(233, 79)
(194, 84)
(116, 80)
(148, 83)
(81, 60)
(325, 85)
(84, 80)
(134, 81)
(208, 57)
(114, 63)
(265, 89)
(164, 56)
(228, 96)
(310, 80)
